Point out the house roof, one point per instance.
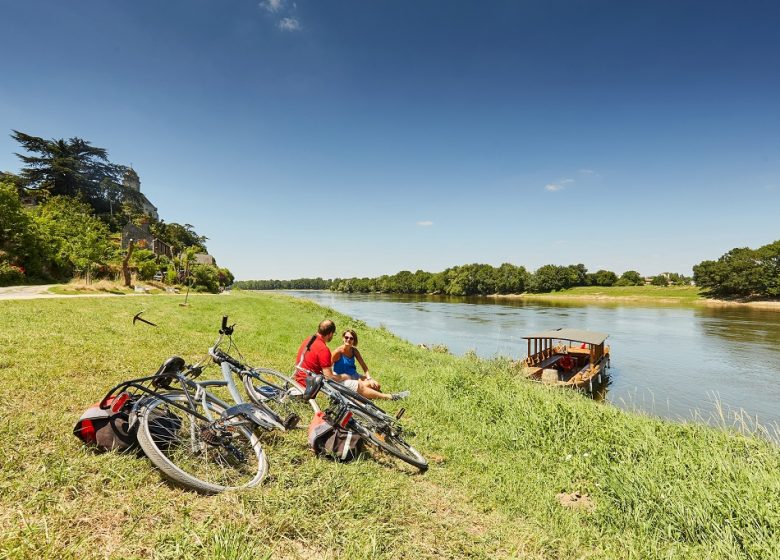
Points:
(573, 335)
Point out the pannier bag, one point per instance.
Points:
(105, 429)
(108, 429)
(332, 439)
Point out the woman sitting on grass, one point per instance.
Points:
(344, 358)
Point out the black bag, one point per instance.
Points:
(333, 439)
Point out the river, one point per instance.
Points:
(679, 362)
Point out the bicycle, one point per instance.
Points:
(367, 419)
(196, 439)
(264, 386)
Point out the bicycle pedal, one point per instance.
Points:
(291, 421)
(400, 413)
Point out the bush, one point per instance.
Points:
(205, 278)
(11, 274)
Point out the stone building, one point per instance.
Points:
(144, 240)
(132, 182)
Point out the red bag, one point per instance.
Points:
(107, 429)
(333, 439)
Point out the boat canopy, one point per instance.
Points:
(572, 335)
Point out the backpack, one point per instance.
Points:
(108, 429)
(332, 439)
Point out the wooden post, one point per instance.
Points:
(126, 263)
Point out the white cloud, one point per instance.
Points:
(272, 5)
(425, 223)
(553, 187)
(587, 172)
(289, 24)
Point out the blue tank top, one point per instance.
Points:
(346, 365)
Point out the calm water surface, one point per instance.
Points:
(676, 362)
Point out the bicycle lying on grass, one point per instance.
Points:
(264, 386)
(281, 393)
(192, 436)
(364, 417)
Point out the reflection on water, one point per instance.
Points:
(666, 360)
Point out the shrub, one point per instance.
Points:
(11, 274)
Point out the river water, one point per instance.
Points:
(671, 361)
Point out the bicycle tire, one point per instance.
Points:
(381, 434)
(281, 384)
(360, 402)
(185, 458)
(277, 391)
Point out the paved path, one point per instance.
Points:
(27, 292)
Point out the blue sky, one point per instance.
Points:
(348, 138)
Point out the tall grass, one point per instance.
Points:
(501, 450)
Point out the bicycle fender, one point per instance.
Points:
(254, 414)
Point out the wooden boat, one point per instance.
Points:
(568, 357)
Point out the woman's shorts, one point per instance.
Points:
(351, 384)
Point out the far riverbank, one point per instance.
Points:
(687, 295)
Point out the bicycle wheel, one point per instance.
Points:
(264, 383)
(190, 452)
(384, 435)
(277, 391)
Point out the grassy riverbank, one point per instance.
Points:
(502, 451)
(661, 294)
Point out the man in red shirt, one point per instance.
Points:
(314, 355)
(317, 357)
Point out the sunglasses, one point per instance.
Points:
(347, 337)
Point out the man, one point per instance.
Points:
(314, 355)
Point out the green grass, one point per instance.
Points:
(665, 294)
(501, 450)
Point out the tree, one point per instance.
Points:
(604, 278)
(660, 280)
(549, 278)
(768, 258)
(71, 167)
(178, 236)
(78, 240)
(630, 278)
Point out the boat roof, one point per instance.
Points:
(574, 335)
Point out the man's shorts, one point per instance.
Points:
(351, 384)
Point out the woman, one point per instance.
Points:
(344, 358)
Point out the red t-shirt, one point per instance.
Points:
(316, 358)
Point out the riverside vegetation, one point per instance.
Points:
(741, 274)
(503, 453)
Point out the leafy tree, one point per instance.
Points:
(577, 276)
(205, 278)
(511, 279)
(768, 258)
(91, 248)
(604, 278)
(71, 168)
(630, 278)
(660, 280)
(77, 239)
(16, 236)
(178, 236)
(549, 278)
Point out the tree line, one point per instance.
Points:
(297, 284)
(472, 279)
(61, 217)
(742, 273)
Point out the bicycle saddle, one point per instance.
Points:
(174, 364)
(313, 386)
